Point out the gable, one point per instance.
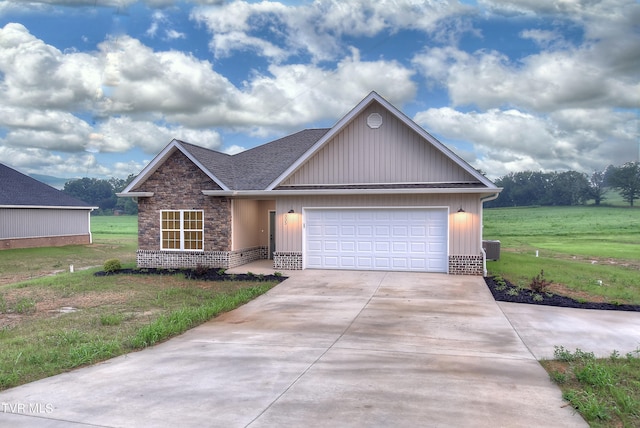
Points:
(391, 153)
(175, 174)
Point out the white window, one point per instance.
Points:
(182, 230)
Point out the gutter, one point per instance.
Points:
(275, 193)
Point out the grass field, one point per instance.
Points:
(578, 247)
(57, 320)
(586, 251)
(113, 237)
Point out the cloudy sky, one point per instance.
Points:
(98, 87)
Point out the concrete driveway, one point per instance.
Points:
(322, 349)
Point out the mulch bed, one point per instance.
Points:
(197, 274)
(527, 296)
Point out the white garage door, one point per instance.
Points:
(407, 239)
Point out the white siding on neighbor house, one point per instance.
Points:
(42, 222)
(464, 228)
(393, 153)
(250, 223)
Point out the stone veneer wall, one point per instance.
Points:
(466, 265)
(287, 260)
(193, 259)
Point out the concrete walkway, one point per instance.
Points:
(323, 348)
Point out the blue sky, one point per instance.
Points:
(98, 87)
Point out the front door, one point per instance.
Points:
(272, 233)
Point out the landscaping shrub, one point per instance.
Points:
(538, 283)
(112, 265)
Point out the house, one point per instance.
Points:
(374, 192)
(33, 214)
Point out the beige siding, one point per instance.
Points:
(250, 223)
(36, 223)
(464, 228)
(392, 153)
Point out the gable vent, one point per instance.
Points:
(374, 121)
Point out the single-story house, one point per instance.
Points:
(374, 192)
(34, 214)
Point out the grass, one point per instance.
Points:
(589, 253)
(593, 251)
(113, 238)
(53, 323)
(605, 391)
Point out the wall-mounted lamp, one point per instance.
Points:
(461, 210)
(291, 211)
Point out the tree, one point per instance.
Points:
(92, 191)
(568, 188)
(127, 205)
(102, 193)
(597, 189)
(626, 179)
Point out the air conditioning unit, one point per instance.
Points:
(491, 249)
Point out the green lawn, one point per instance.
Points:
(113, 237)
(578, 247)
(110, 315)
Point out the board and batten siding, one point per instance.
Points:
(18, 223)
(393, 153)
(250, 223)
(464, 228)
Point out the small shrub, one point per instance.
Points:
(513, 291)
(112, 265)
(221, 271)
(201, 270)
(277, 274)
(538, 298)
(261, 277)
(539, 283)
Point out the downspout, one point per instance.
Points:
(484, 254)
(89, 223)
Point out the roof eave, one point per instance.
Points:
(50, 207)
(135, 194)
(338, 192)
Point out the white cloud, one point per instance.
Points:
(234, 149)
(511, 140)
(314, 28)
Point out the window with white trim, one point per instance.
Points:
(182, 230)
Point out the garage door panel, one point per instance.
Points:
(399, 247)
(382, 246)
(382, 239)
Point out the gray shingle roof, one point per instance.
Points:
(20, 189)
(256, 168)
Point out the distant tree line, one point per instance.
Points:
(102, 193)
(567, 188)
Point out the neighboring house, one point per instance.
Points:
(33, 214)
(374, 192)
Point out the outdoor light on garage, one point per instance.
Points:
(286, 216)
